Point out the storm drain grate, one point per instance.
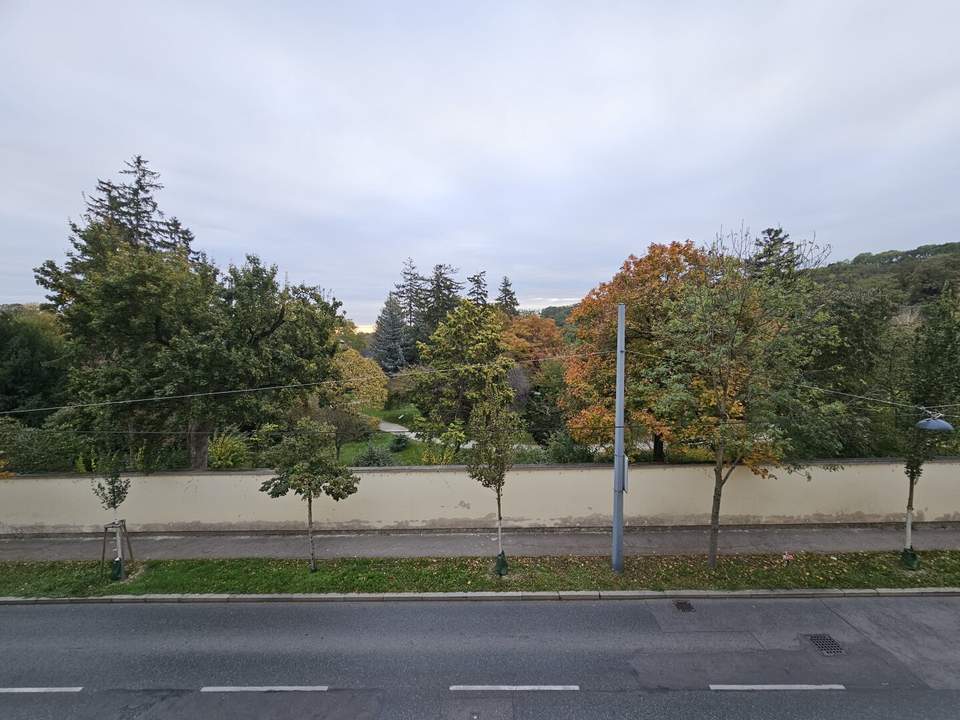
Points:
(683, 606)
(826, 644)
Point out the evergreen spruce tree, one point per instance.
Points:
(131, 208)
(410, 293)
(507, 298)
(391, 346)
(478, 288)
(442, 296)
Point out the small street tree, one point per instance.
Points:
(494, 430)
(305, 463)
(733, 346)
(111, 490)
(934, 380)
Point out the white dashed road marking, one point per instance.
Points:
(41, 690)
(777, 687)
(514, 687)
(263, 688)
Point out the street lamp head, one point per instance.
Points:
(934, 424)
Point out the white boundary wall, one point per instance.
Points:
(445, 497)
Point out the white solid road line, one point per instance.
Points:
(777, 687)
(263, 688)
(514, 687)
(41, 690)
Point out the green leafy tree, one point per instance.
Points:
(348, 426)
(441, 442)
(466, 357)
(543, 413)
(934, 379)
(494, 430)
(734, 345)
(305, 463)
(111, 489)
(148, 317)
(507, 298)
(33, 361)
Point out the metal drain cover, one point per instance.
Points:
(826, 644)
(683, 606)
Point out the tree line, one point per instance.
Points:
(419, 303)
(740, 353)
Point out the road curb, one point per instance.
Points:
(562, 595)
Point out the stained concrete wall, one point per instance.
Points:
(445, 497)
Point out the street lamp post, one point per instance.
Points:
(933, 424)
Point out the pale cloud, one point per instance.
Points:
(545, 141)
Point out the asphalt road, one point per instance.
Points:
(457, 544)
(615, 659)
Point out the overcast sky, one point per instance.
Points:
(545, 141)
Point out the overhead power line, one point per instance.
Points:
(288, 386)
(867, 398)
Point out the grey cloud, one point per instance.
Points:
(542, 141)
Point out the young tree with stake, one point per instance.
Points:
(494, 430)
(112, 490)
(305, 462)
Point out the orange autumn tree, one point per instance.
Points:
(536, 344)
(530, 338)
(644, 284)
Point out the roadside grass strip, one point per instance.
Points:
(262, 576)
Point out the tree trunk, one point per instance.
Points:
(130, 441)
(908, 521)
(499, 524)
(658, 453)
(313, 552)
(715, 514)
(198, 442)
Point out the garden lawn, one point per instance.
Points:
(408, 456)
(735, 572)
(403, 415)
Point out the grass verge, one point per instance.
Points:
(809, 570)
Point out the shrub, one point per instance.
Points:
(228, 450)
(530, 455)
(564, 449)
(46, 449)
(374, 456)
(399, 443)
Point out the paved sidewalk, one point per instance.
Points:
(636, 542)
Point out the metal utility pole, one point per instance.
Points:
(619, 461)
